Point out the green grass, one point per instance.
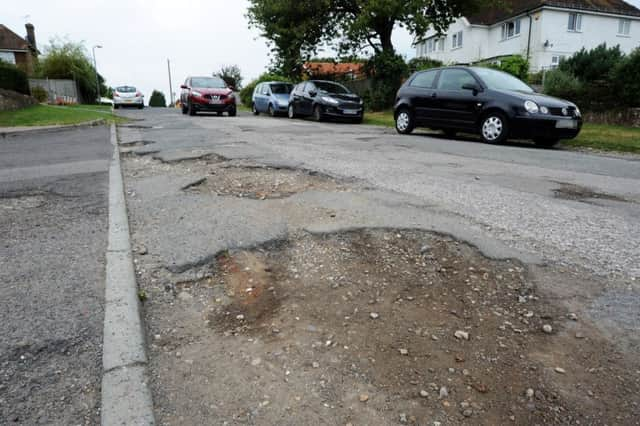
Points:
(595, 136)
(45, 115)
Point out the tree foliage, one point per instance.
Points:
(419, 64)
(231, 75)
(387, 72)
(13, 78)
(296, 28)
(65, 59)
(157, 99)
(593, 65)
(626, 83)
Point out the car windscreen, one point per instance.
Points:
(281, 89)
(126, 89)
(208, 83)
(325, 86)
(498, 80)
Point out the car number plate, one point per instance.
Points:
(215, 100)
(128, 100)
(350, 111)
(566, 124)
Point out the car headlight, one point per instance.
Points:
(531, 107)
(578, 113)
(196, 94)
(329, 100)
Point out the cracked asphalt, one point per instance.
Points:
(53, 223)
(570, 217)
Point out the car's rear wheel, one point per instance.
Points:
(232, 112)
(270, 110)
(494, 128)
(254, 110)
(190, 110)
(545, 142)
(317, 113)
(291, 112)
(404, 121)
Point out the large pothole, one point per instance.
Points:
(581, 193)
(380, 327)
(264, 182)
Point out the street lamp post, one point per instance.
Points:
(95, 67)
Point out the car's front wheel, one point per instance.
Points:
(291, 112)
(494, 128)
(545, 142)
(271, 111)
(233, 112)
(254, 110)
(404, 121)
(317, 113)
(184, 109)
(190, 110)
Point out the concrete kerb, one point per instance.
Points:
(8, 131)
(126, 397)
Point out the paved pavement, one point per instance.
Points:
(53, 222)
(571, 217)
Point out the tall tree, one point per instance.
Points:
(231, 75)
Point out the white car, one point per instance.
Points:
(127, 96)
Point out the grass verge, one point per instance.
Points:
(46, 115)
(594, 136)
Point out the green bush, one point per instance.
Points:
(419, 64)
(246, 94)
(39, 93)
(626, 83)
(13, 78)
(593, 65)
(157, 99)
(387, 72)
(562, 84)
(515, 65)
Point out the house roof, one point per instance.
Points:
(12, 41)
(330, 68)
(508, 8)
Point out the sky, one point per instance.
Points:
(138, 36)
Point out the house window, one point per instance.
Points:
(510, 29)
(575, 22)
(8, 57)
(441, 45)
(430, 45)
(456, 40)
(624, 26)
(556, 59)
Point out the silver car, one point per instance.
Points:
(127, 96)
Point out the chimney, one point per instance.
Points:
(31, 35)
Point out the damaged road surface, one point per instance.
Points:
(301, 273)
(53, 222)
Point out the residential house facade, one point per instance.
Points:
(19, 51)
(543, 31)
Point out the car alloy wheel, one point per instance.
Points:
(254, 110)
(291, 112)
(271, 111)
(492, 128)
(317, 113)
(404, 121)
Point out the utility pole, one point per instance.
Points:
(170, 87)
(95, 67)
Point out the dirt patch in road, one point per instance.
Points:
(378, 327)
(264, 182)
(21, 201)
(584, 194)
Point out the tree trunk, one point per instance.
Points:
(384, 32)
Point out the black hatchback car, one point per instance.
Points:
(323, 99)
(492, 103)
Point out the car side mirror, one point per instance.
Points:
(313, 93)
(473, 87)
(183, 86)
(232, 88)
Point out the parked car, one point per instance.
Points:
(271, 97)
(125, 96)
(325, 99)
(207, 94)
(492, 103)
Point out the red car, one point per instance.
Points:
(207, 94)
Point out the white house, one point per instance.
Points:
(544, 31)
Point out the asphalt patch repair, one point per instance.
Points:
(376, 327)
(583, 194)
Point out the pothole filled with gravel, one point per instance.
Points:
(376, 327)
(20, 202)
(260, 183)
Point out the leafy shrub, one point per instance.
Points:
(535, 77)
(562, 84)
(157, 99)
(515, 65)
(626, 83)
(246, 94)
(387, 71)
(39, 93)
(419, 64)
(13, 78)
(593, 65)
